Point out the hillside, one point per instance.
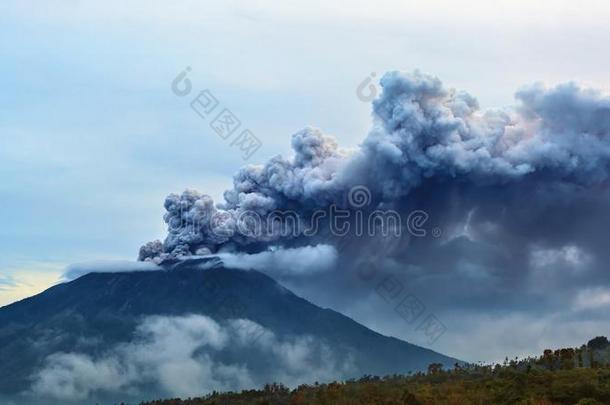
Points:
(99, 320)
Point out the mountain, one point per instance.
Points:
(117, 327)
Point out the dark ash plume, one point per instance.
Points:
(429, 145)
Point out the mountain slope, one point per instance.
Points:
(99, 310)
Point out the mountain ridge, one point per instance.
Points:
(106, 308)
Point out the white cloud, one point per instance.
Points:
(71, 376)
(592, 298)
(77, 270)
(290, 261)
(182, 356)
(570, 255)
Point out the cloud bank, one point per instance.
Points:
(77, 270)
(187, 356)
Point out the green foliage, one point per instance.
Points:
(600, 342)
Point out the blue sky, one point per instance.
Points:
(92, 139)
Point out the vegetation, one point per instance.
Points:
(570, 376)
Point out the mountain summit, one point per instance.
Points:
(192, 327)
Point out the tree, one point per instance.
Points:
(598, 343)
(435, 368)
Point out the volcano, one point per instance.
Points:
(252, 326)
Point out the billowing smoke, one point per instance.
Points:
(430, 148)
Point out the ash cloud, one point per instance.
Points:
(424, 136)
(520, 194)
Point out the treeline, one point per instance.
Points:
(565, 376)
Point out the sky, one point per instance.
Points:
(92, 138)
